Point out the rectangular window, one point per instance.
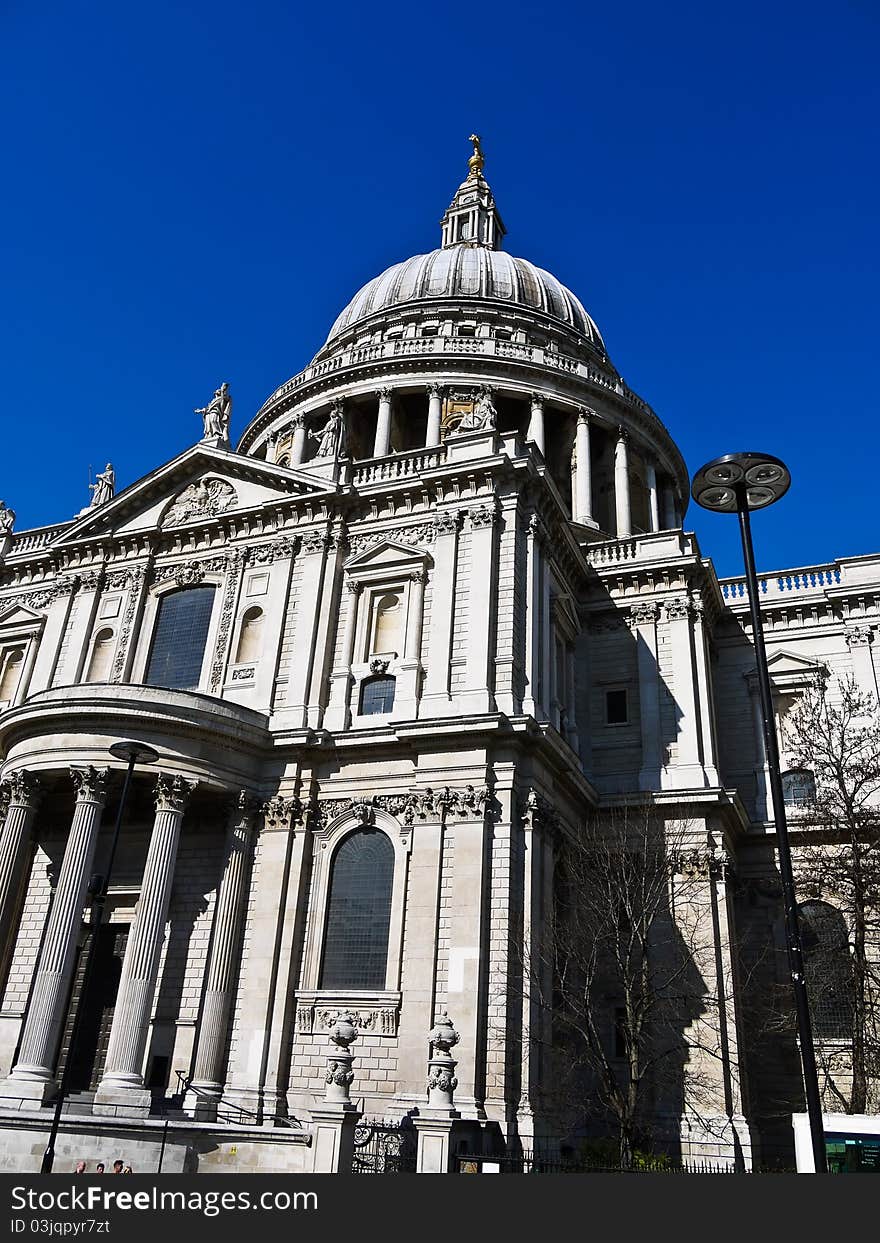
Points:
(377, 696)
(616, 708)
(179, 640)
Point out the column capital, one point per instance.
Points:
(437, 390)
(483, 516)
(90, 784)
(538, 399)
(677, 609)
(622, 434)
(385, 393)
(172, 793)
(243, 806)
(21, 788)
(859, 636)
(281, 813)
(419, 576)
(298, 421)
(354, 586)
(585, 414)
(643, 614)
(447, 521)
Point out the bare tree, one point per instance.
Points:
(629, 968)
(833, 733)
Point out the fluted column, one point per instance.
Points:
(298, 445)
(536, 421)
(435, 411)
(621, 484)
(207, 1083)
(32, 1077)
(21, 791)
(582, 482)
(382, 443)
(123, 1082)
(653, 507)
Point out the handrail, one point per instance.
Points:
(184, 1085)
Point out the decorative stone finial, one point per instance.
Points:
(339, 1076)
(441, 1065)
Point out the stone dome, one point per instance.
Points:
(464, 273)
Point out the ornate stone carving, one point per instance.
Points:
(217, 414)
(104, 487)
(859, 636)
(441, 1065)
(677, 609)
(585, 414)
(539, 814)
(419, 576)
(436, 391)
(235, 562)
(415, 535)
(90, 784)
(91, 580)
(173, 793)
(447, 521)
(7, 519)
(643, 614)
(354, 586)
(330, 437)
(339, 1074)
(278, 550)
(315, 541)
(483, 416)
(282, 813)
(204, 499)
(379, 666)
(483, 516)
(20, 787)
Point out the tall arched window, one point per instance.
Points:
(828, 969)
(359, 912)
(387, 614)
(250, 639)
(11, 662)
(102, 655)
(798, 787)
(179, 639)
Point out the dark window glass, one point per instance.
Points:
(359, 912)
(828, 970)
(615, 708)
(377, 695)
(179, 639)
(798, 787)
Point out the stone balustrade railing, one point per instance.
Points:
(399, 465)
(487, 347)
(780, 584)
(29, 541)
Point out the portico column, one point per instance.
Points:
(668, 508)
(123, 1081)
(23, 792)
(33, 1076)
(382, 443)
(653, 508)
(207, 1084)
(536, 421)
(621, 484)
(643, 622)
(298, 444)
(583, 469)
(339, 709)
(532, 628)
(859, 640)
(435, 410)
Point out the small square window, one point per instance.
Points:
(616, 708)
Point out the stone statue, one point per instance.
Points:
(7, 519)
(483, 417)
(329, 437)
(216, 414)
(104, 487)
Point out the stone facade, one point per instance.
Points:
(460, 494)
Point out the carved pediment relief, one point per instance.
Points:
(18, 616)
(386, 554)
(204, 499)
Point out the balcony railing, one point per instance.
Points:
(782, 584)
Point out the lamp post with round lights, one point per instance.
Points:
(738, 483)
(133, 753)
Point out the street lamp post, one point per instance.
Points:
(738, 483)
(133, 753)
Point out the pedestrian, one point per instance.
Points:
(99, 1168)
(117, 1167)
(80, 1167)
(127, 1169)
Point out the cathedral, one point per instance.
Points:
(438, 605)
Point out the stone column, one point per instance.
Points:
(621, 485)
(435, 410)
(476, 696)
(339, 708)
(687, 771)
(859, 640)
(23, 792)
(536, 422)
(583, 468)
(406, 699)
(123, 1081)
(206, 1086)
(668, 508)
(298, 445)
(643, 620)
(382, 443)
(532, 629)
(762, 771)
(436, 699)
(653, 506)
(33, 1076)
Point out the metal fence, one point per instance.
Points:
(536, 1163)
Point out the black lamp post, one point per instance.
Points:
(133, 753)
(738, 483)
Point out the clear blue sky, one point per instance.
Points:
(194, 190)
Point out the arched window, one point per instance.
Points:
(10, 673)
(377, 695)
(179, 639)
(387, 614)
(102, 655)
(358, 912)
(250, 639)
(798, 787)
(828, 969)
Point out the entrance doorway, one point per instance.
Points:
(98, 1004)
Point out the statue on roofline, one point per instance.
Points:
(104, 487)
(217, 414)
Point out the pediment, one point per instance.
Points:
(386, 554)
(787, 668)
(19, 616)
(201, 484)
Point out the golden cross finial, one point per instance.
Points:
(477, 160)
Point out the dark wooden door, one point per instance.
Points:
(98, 1003)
